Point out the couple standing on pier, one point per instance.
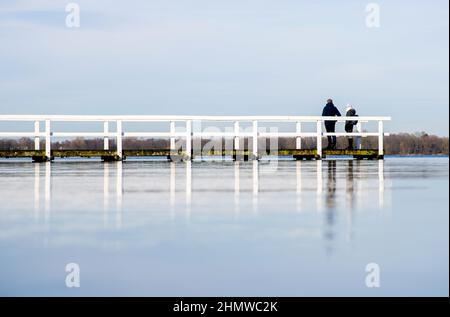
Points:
(330, 110)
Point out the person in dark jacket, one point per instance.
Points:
(350, 112)
(330, 111)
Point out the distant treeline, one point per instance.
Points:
(395, 144)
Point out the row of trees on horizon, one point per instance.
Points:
(395, 144)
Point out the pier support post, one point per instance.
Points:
(319, 139)
(236, 153)
(189, 140)
(119, 140)
(172, 136)
(48, 140)
(380, 140)
(173, 153)
(255, 140)
(236, 135)
(105, 137)
(37, 145)
(298, 139)
(358, 140)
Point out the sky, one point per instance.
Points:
(228, 57)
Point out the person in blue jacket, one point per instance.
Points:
(330, 111)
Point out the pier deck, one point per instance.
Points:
(111, 155)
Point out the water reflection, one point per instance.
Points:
(188, 188)
(330, 202)
(319, 185)
(37, 202)
(237, 186)
(119, 194)
(47, 191)
(350, 197)
(331, 186)
(298, 171)
(326, 197)
(172, 188)
(105, 193)
(350, 186)
(381, 184)
(255, 185)
(141, 206)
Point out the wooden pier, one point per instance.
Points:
(184, 132)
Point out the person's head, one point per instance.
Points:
(349, 107)
(329, 100)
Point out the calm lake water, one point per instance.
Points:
(281, 228)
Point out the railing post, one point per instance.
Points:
(298, 140)
(319, 139)
(37, 145)
(255, 140)
(105, 137)
(189, 139)
(358, 142)
(380, 138)
(119, 139)
(236, 137)
(172, 138)
(48, 141)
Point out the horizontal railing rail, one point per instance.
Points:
(130, 118)
(188, 134)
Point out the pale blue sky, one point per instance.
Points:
(260, 57)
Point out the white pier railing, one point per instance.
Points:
(188, 134)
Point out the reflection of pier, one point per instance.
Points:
(188, 187)
(381, 183)
(119, 194)
(47, 190)
(172, 188)
(37, 202)
(105, 193)
(237, 186)
(118, 169)
(255, 185)
(326, 196)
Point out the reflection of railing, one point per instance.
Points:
(360, 192)
(114, 172)
(188, 134)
